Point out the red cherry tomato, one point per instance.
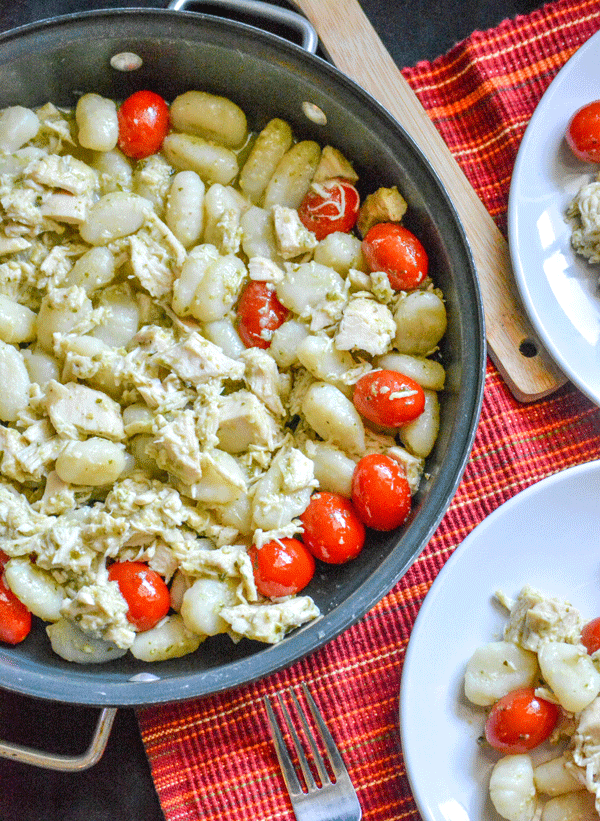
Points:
(590, 636)
(388, 398)
(332, 530)
(15, 618)
(330, 206)
(583, 132)
(282, 567)
(520, 721)
(260, 314)
(144, 591)
(392, 248)
(380, 492)
(143, 124)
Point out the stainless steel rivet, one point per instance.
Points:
(314, 113)
(126, 61)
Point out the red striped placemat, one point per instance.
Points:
(213, 758)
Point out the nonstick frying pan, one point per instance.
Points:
(58, 60)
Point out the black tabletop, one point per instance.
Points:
(119, 787)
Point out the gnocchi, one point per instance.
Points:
(97, 122)
(143, 422)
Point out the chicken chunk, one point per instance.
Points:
(22, 206)
(536, 618)
(23, 460)
(383, 205)
(197, 360)
(66, 208)
(245, 422)
(12, 245)
(264, 380)
(76, 410)
(366, 325)
(292, 237)
(284, 490)
(583, 755)
(264, 269)
(64, 172)
(269, 622)
(334, 164)
(156, 257)
(176, 448)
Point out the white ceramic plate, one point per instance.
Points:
(547, 536)
(558, 289)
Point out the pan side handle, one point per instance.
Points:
(265, 11)
(65, 763)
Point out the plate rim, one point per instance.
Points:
(522, 161)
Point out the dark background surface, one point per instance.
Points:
(119, 787)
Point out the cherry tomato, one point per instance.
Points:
(380, 492)
(392, 248)
(143, 124)
(583, 132)
(388, 398)
(330, 206)
(332, 530)
(590, 636)
(281, 567)
(520, 721)
(145, 592)
(15, 618)
(260, 314)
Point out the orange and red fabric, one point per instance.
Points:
(213, 759)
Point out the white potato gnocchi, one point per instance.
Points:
(213, 163)
(73, 644)
(570, 674)
(512, 789)
(292, 175)
(209, 116)
(97, 122)
(268, 149)
(153, 415)
(497, 668)
(36, 588)
(170, 639)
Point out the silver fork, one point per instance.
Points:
(334, 800)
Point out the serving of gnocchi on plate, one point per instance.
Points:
(512, 611)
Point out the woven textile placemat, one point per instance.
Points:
(213, 758)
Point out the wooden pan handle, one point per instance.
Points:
(356, 49)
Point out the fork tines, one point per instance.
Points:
(338, 782)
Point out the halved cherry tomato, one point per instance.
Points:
(145, 592)
(520, 721)
(388, 398)
(333, 531)
(583, 132)
(380, 492)
(15, 618)
(260, 314)
(392, 248)
(330, 206)
(282, 567)
(590, 636)
(143, 124)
